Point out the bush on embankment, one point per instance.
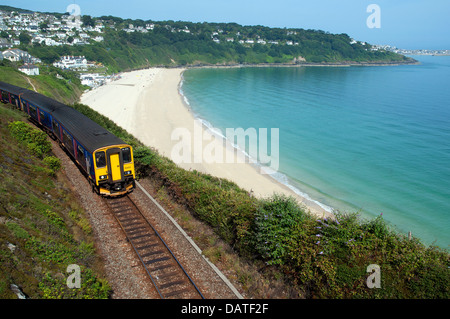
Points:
(36, 141)
(324, 258)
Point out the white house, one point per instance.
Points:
(15, 55)
(92, 79)
(71, 62)
(29, 69)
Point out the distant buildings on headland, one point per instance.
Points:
(47, 29)
(411, 52)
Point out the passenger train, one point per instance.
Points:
(105, 159)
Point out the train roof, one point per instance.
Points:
(88, 133)
(16, 90)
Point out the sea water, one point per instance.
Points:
(373, 140)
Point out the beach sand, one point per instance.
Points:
(147, 104)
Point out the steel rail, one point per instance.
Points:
(119, 209)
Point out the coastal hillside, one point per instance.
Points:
(318, 258)
(124, 44)
(64, 86)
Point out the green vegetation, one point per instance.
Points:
(180, 43)
(66, 89)
(322, 258)
(43, 229)
(34, 139)
(37, 143)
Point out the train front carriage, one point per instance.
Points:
(114, 170)
(105, 158)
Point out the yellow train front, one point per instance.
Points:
(114, 170)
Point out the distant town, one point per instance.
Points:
(47, 29)
(36, 28)
(412, 52)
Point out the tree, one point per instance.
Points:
(44, 26)
(24, 38)
(88, 21)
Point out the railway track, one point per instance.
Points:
(167, 274)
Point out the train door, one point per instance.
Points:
(115, 164)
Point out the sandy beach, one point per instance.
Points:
(147, 103)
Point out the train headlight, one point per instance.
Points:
(102, 177)
(128, 173)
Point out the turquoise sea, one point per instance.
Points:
(358, 139)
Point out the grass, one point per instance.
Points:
(66, 90)
(42, 227)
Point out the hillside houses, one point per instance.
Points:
(48, 29)
(72, 62)
(16, 55)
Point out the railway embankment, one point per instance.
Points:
(43, 227)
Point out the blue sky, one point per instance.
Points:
(408, 24)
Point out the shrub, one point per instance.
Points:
(35, 140)
(274, 225)
(53, 163)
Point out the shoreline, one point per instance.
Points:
(301, 64)
(291, 189)
(149, 104)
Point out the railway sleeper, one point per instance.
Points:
(168, 275)
(141, 236)
(161, 267)
(127, 219)
(147, 246)
(156, 252)
(172, 283)
(152, 261)
(133, 223)
(176, 292)
(136, 230)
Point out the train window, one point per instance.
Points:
(56, 128)
(33, 112)
(42, 116)
(126, 154)
(100, 159)
(67, 139)
(80, 156)
(5, 96)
